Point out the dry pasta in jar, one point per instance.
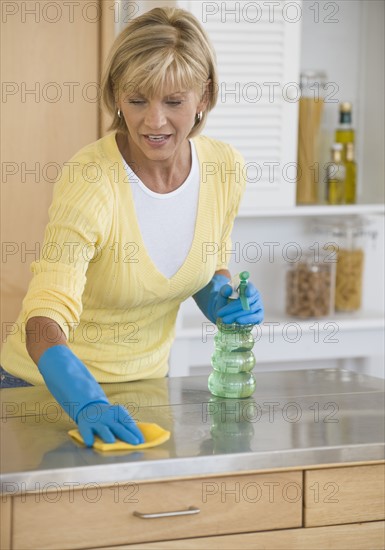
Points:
(344, 241)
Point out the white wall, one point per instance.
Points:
(372, 115)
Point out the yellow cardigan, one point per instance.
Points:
(95, 278)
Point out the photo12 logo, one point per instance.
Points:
(70, 11)
(271, 11)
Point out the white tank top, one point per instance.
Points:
(167, 221)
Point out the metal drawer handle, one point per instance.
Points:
(191, 510)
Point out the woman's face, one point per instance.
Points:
(158, 127)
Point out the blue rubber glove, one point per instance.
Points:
(213, 301)
(234, 313)
(79, 394)
(211, 298)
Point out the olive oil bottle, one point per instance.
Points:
(350, 178)
(345, 135)
(345, 132)
(335, 176)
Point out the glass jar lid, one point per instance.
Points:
(352, 225)
(316, 260)
(311, 82)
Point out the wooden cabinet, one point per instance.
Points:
(188, 508)
(336, 508)
(51, 60)
(360, 536)
(5, 522)
(344, 495)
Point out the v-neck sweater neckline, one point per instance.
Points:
(150, 273)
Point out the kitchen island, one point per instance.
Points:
(300, 465)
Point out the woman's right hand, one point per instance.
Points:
(80, 395)
(74, 387)
(107, 421)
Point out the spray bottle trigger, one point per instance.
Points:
(239, 284)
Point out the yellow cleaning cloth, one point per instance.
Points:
(153, 435)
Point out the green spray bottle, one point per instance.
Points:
(233, 358)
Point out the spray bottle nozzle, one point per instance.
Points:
(239, 285)
(244, 276)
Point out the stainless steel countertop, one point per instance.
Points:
(297, 418)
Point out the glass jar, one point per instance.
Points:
(311, 107)
(344, 240)
(310, 285)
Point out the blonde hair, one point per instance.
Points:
(165, 46)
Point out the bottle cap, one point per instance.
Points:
(336, 150)
(337, 147)
(345, 107)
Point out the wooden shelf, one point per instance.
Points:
(284, 340)
(314, 210)
(358, 321)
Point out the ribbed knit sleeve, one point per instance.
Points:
(235, 188)
(79, 223)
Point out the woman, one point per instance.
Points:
(140, 220)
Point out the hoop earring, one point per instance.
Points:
(119, 113)
(199, 116)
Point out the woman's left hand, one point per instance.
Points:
(234, 313)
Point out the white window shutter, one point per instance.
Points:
(258, 52)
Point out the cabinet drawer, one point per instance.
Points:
(356, 536)
(344, 495)
(104, 516)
